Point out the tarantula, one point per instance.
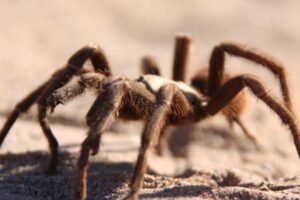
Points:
(199, 81)
(161, 102)
(39, 96)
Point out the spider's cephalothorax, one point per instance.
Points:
(161, 102)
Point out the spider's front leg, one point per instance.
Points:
(60, 79)
(68, 92)
(180, 62)
(232, 87)
(62, 96)
(154, 125)
(74, 67)
(99, 118)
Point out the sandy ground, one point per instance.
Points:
(221, 166)
(205, 161)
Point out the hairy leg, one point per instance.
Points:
(20, 108)
(153, 126)
(182, 47)
(68, 92)
(233, 119)
(60, 79)
(217, 62)
(150, 66)
(99, 118)
(230, 122)
(250, 136)
(52, 142)
(231, 88)
(73, 67)
(162, 142)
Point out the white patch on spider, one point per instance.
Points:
(156, 82)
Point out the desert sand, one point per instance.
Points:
(204, 161)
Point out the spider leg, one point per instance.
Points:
(162, 142)
(150, 66)
(182, 47)
(154, 124)
(230, 122)
(73, 67)
(53, 144)
(232, 87)
(68, 92)
(61, 78)
(99, 118)
(58, 79)
(250, 136)
(235, 119)
(20, 108)
(217, 62)
(63, 95)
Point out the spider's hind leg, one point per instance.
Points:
(236, 120)
(250, 136)
(235, 85)
(217, 64)
(230, 122)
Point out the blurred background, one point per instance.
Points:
(37, 37)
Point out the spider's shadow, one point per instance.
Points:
(211, 136)
(23, 175)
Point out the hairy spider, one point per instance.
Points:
(199, 81)
(161, 102)
(61, 77)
